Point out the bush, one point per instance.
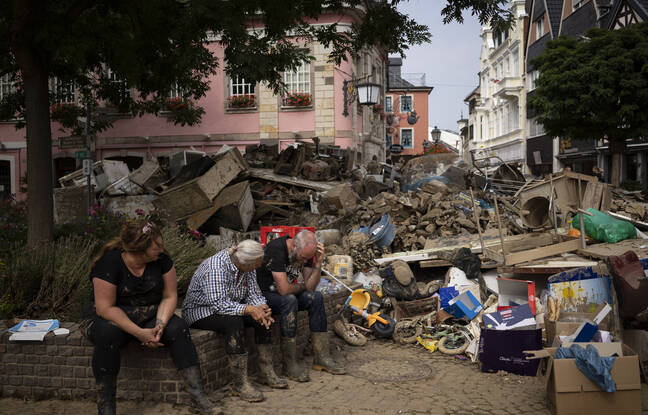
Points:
(13, 225)
(187, 252)
(50, 280)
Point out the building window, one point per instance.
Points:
(5, 178)
(515, 56)
(6, 85)
(540, 27)
(406, 103)
(407, 138)
(298, 81)
(238, 86)
(176, 92)
(388, 104)
(532, 77)
(120, 84)
(535, 129)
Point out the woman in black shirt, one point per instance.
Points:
(135, 296)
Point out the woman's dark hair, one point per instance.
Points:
(136, 237)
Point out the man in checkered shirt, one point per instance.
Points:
(224, 296)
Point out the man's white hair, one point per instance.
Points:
(303, 239)
(247, 252)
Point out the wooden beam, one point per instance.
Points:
(542, 252)
(268, 174)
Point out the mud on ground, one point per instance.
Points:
(383, 378)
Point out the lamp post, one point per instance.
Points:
(367, 94)
(435, 134)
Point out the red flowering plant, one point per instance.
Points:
(183, 111)
(242, 101)
(297, 99)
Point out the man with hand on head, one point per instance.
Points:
(285, 261)
(224, 296)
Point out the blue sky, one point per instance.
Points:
(450, 61)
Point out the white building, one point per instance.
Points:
(499, 116)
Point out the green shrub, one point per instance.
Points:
(187, 253)
(50, 280)
(13, 225)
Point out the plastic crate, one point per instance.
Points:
(280, 231)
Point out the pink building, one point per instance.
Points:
(231, 117)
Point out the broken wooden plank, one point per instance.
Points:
(542, 252)
(198, 194)
(606, 198)
(233, 207)
(589, 197)
(268, 174)
(602, 251)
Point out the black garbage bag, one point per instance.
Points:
(470, 264)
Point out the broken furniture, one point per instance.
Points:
(233, 208)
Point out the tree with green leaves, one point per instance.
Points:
(154, 46)
(595, 87)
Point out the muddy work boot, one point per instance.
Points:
(266, 368)
(242, 386)
(322, 359)
(292, 369)
(106, 393)
(193, 386)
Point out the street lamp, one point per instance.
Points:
(435, 134)
(366, 92)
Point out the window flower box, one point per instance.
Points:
(297, 99)
(242, 101)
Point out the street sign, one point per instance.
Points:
(396, 148)
(71, 142)
(87, 167)
(81, 154)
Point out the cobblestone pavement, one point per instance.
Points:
(384, 378)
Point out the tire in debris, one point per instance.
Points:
(406, 333)
(384, 331)
(355, 339)
(446, 347)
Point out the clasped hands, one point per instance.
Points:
(151, 337)
(261, 314)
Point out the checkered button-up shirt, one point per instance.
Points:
(218, 287)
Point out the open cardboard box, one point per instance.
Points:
(570, 392)
(568, 323)
(515, 292)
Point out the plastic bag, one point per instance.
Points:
(605, 228)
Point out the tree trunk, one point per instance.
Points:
(617, 147)
(40, 205)
(33, 64)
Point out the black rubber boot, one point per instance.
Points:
(193, 386)
(322, 359)
(106, 395)
(242, 386)
(267, 374)
(292, 369)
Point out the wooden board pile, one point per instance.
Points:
(630, 205)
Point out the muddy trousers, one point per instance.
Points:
(108, 339)
(287, 307)
(234, 329)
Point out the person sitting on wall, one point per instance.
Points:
(284, 262)
(134, 296)
(224, 296)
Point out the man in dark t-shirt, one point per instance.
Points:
(288, 276)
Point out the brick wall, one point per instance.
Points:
(60, 367)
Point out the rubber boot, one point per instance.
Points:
(242, 386)
(106, 393)
(193, 386)
(322, 358)
(266, 368)
(292, 369)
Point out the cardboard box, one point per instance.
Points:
(504, 350)
(570, 392)
(516, 292)
(464, 305)
(516, 318)
(569, 322)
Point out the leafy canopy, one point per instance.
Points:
(596, 86)
(156, 46)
